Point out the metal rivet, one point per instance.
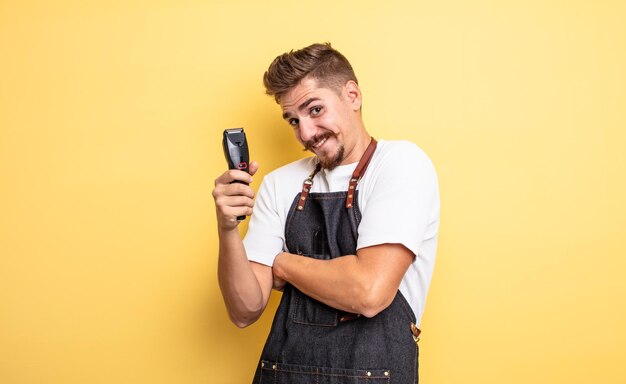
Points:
(369, 373)
(300, 208)
(386, 373)
(274, 366)
(262, 365)
(303, 198)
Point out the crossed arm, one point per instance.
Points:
(365, 283)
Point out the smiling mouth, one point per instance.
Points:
(317, 142)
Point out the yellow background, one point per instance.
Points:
(111, 116)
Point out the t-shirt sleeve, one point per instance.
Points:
(401, 203)
(265, 236)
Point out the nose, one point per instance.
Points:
(307, 129)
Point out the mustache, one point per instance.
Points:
(316, 139)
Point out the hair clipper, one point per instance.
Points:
(236, 152)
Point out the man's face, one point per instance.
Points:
(322, 120)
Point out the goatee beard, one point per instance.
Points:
(331, 163)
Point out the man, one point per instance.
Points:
(349, 235)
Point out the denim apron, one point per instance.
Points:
(311, 342)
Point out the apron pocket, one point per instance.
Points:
(309, 311)
(277, 373)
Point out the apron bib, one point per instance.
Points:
(310, 342)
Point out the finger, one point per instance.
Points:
(241, 211)
(233, 175)
(236, 201)
(253, 167)
(224, 178)
(230, 213)
(225, 203)
(235, 189)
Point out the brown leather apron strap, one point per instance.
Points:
(306, 187)
(415, 332)
(359, 171)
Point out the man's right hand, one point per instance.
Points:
(233, 199)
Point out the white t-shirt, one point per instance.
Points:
(398, 198)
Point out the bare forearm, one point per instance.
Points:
(245, 286)
(347, 283)
(240, 287)
(365, 283)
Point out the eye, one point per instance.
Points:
(315, 111)
(293, 122)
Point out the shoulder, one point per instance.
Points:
(277, 191)
(283, 183)
(400, 148)
(296, 170)
(401, 155)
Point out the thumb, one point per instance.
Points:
(253, 167)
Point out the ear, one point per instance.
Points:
(353, 94)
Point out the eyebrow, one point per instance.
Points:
(302, 106)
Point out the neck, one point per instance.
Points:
(360, 145)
